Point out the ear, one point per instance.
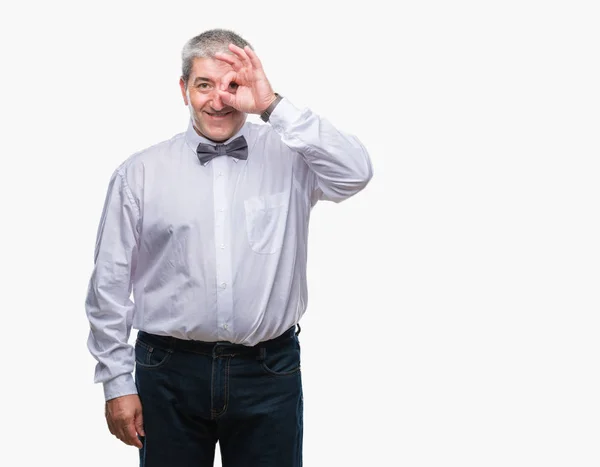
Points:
(183, 91)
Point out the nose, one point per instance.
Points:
(216, 102)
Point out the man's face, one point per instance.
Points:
(212, 119)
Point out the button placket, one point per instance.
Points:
(222, 252)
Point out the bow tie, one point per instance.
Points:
(237, 148)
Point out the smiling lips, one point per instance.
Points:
(219, 115)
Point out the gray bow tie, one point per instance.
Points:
(237, 148)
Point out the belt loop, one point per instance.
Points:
(262, 354)
(299, 328)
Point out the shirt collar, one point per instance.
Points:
(192, 137)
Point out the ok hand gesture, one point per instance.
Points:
(246, 87)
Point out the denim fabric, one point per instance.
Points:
(195, 394)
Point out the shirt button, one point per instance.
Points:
(220, 174)
(222, 247)
(225, 326)
(223, 285)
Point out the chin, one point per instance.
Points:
(214, 134)
(217, 131)
(220, 135)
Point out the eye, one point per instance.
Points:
(203, 86)
(233, 85)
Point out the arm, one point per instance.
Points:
(110, 310)
(108, 306)
(340, 165)
(339, 162)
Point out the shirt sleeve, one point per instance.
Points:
(340, 163)
(108, 305)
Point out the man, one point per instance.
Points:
(209, 229)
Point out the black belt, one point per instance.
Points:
(220, 348)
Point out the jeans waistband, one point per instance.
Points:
(215, 348)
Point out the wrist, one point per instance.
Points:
(264, 116)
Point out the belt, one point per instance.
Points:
(218, 348)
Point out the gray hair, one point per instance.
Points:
(206, 45)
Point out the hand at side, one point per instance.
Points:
(124, 419)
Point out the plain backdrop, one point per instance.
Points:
(453, 304)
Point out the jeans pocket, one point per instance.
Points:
(283, 361)
(148, 356)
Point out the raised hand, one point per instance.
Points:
(246, 87)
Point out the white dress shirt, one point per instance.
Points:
(213, 252)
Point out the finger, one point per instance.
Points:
(129, 434)
(139, 424)
(227, 79)
(240, 54)
(227, 98)
(230, 59)
(253, 58)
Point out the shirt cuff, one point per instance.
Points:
(122, 385)
(284, 114)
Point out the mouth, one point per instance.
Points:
(219, 115)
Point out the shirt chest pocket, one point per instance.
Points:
(266, 218)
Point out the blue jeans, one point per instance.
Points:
(194, 394)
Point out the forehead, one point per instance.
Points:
(210, 68)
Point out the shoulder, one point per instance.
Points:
(134, 169)
(152, 154)
(263, 137)
(258, 131)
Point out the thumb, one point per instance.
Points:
(139, 423)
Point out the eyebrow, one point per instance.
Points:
(202, 79)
